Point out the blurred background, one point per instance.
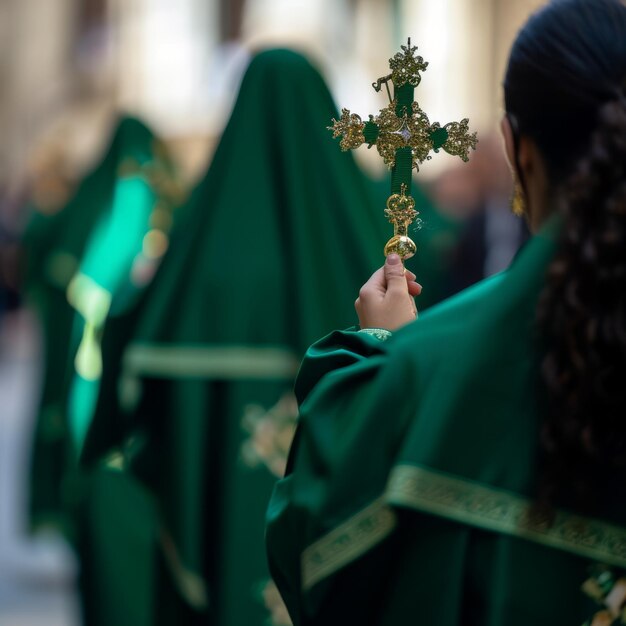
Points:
(69, 67)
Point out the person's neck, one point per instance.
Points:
(542, 208)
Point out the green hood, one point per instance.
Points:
(281, 232)
(54, 243)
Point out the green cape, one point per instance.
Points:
(88, 266)
(54, 245)
(409, 488)
(272, 245)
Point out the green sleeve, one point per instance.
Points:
(353, 408)
(343, 551)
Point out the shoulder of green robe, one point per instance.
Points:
(494, 307)
(473, 363)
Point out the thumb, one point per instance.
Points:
(394, 273)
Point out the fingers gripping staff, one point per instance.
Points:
(404, 138)
(386, 299)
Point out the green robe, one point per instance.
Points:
(408, 488)
(273, 242)
(55, 244)
(107, 241)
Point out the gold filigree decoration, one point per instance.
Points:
(406, 66)
(271, 433)
(279, 616)
(395, 132)
(420, 135)
(400, 208)
(460, 141)
(412, 130)
(400, 125)
(607, 589)
(350, 127)
(401, 212)
(390, 136)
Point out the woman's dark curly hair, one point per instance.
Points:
(565, 88)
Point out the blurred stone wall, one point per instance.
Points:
(172, 63)
(36, 39)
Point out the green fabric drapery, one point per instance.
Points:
(408, 496)
(270, 248)
(88, 266)
(55, 244)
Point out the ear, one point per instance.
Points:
(509, 144)
(526, 151)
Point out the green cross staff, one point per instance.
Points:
(404, 138)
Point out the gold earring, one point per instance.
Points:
(518, 201)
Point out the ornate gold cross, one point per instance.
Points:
(404, 138)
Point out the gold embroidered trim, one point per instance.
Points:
(270, 433)
(190, 585)
(221, 363)
(497, 510)
(115, 460)
(467, 502)
(378, 333)
(346, 542)
(224, 362)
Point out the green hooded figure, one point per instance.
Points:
(280, 230)
(467, 468)
(87, 266)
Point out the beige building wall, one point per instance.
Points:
(169, 67)
(509, 17)
(163, 55)
(35, 48)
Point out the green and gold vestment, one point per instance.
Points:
(273, 242)
(408, 489)
(88, 267)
